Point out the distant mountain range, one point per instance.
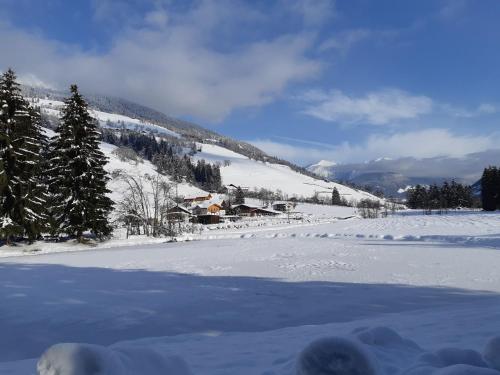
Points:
(394, 176)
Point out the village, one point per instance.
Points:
(214, 208)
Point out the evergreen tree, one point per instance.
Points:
(78, 179)
(489, 194)
(22, 193)
(239, 197)
(336, 200)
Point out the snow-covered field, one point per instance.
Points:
(249, 303)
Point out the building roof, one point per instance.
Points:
(198, 197)
(245, 205)
(181, 208)
(214, 201)
(282, 202)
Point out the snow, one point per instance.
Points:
(336, 355)
(323, 168)
(254, 175)
(492, 353)
(424, 302)
(320, 292)
(85, 359)
(116, 121)
(118, 187)
(111, 120)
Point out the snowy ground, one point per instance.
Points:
(249, 302)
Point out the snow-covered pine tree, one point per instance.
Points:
(336, 200)
(21, 141)
(78, 179)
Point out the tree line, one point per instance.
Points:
(447, 196)
(57, 185)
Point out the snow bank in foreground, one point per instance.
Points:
(85, 359)
(381, 350)
(366, 351)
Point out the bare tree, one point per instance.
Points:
(145, 204)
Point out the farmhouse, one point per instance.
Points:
(210, 207)
(179, 213)
(250, 210)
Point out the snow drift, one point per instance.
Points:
(85, 359)
(380, 351)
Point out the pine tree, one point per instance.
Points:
(239, 197)
(21, 140)
(336, 200)
(489, 188)
(78, 179)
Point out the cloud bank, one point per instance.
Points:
(381, 107)
(174, 61)
(420, 144)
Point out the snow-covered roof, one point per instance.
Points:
(245, 205)
(181, 208)
(205, 204)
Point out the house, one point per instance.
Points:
(250, 210)
(179, 213)
(213, 206)
(207, 219)
(283, 206)
(196, 199)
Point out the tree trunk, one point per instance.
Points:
(79, 237)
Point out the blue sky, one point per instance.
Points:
(306, 80)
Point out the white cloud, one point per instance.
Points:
(173, 63)
(345, 40)
(419, 144)
(481, 110)
(377, 108)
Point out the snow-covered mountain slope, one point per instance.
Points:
(109, 120)
(136, 169)
(323, 168)
(254, 175)
(237, 168)
(139, 169)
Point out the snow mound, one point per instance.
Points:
(491, 353)
(383, 336)
(381, 350)
(86, 359)
(451, 361)
(336, 356)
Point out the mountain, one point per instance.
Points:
(393, 176)
(323, 168)
(241, 164)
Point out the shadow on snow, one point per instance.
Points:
(43, 304)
